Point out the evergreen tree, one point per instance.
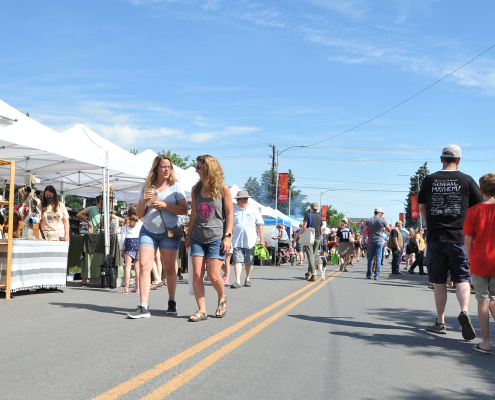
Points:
(422, 172)
(27, 114)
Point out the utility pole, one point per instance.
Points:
(274, 179)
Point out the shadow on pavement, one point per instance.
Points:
(422, 343)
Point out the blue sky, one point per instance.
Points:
(228, 77)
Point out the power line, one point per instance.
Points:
(413, 96)
(363, 183)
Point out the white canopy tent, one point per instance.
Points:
(37, 149)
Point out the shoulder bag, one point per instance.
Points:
(308, 236)
(175, 232)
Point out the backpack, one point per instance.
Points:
(413, 246)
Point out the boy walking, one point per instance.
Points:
(479, 231)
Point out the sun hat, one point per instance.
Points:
(242, 194)
(314, 206)
(452, 151)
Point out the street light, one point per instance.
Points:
(420, 219)
(276, 176)
(322, 193)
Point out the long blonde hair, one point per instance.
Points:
(213, 176)
(132, 218)
(150, 180)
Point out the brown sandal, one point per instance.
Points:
(222, 306)
(198, 316)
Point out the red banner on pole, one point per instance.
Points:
(401, 217)
(283, 187)
(324, 215)
(414, 206)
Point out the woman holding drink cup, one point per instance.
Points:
(162, 200)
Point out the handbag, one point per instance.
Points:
(308, 236)
(173, 233)
(335, 258)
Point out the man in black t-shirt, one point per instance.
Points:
(316, 223)
(444, 199)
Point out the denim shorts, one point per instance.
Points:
(207, 250)
(444, 257)
(157, 240)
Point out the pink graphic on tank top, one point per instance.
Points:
(205, 210)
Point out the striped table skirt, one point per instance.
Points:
(35, 264)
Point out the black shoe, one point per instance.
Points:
(172, 307)
(411, 272)
(235, 286)
(422, 273)
(397, 273)
(468, 332)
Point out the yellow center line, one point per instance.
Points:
(181, 379)
(145, 376)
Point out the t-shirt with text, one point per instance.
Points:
(447, 195)
(345, 234)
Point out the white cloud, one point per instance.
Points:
(349, 8)
(202, 137)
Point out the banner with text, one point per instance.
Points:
(283, 187)
(324, 215)
(414, 206)
(401, 217)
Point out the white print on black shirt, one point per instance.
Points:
(446, 197)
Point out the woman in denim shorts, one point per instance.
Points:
(210, 233)
(156, 217)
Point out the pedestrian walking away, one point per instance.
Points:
(479, 228)
(312, 220)
(418, 245)
(376, 226)
(248, 224)
(210, 233)
(444, 199)
(162, 200)
(345, 235)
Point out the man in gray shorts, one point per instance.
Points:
(247, 224)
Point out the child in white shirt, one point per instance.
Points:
(129, 247)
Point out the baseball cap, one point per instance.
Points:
(345, 219)
(314, 205)
(379, 209)
(452, 151)
(399, 222)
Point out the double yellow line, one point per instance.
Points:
(181, 379)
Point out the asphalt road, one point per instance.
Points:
(284, 338)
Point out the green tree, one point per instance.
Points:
(333, 217)
(422, 172)
(74, 202)
(134, 151)
(181, 162)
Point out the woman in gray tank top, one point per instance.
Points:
(210, 233)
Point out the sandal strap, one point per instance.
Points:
(198, 314)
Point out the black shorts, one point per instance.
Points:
(444, 257)
(299, 248)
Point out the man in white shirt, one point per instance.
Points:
(248, 224)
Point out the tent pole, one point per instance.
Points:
(103, 193)
(107, 231)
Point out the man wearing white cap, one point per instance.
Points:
(376, 226)
(444, 199)
(247, 224)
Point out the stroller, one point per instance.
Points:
(283, 253)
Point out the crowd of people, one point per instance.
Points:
(459, 215)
